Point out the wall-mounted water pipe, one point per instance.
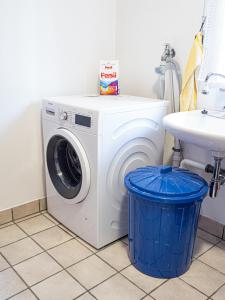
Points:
(168, 64)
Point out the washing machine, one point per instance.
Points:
(90, 144)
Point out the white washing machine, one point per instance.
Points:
(90, 144)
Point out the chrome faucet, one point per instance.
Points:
(205, 90)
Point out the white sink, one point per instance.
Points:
(203, 130)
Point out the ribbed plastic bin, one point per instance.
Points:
(164, 206)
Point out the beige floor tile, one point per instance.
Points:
(37, 268)
(176, 289)
(86, 296)
(26, 295)
(51, 237)
(10, 234)
(220, 294)
(10, 284)
(116, 255)
(201, 246)
(207, 236)
(69, 253)
(36, 224)
(119, 288)
(3, 263)
(93, 249)
(47, 215)
(148, 298)
(215, 258)
(143, 281)
(67, 230)
(58, 287)
(91, 271)
(21, 250)
(204, 278)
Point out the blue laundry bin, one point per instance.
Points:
(164, 206)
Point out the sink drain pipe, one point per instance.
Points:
(185, 163)
(218, 178)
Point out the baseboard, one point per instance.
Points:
(212, 227)
(22, 211)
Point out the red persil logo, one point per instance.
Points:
(112, 75)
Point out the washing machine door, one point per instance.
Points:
(68, 166)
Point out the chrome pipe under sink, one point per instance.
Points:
(217, 179)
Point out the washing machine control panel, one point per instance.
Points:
(75, 117)
(79, 119)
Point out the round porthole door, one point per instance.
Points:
(68, 166)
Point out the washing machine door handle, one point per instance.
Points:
(83, 162)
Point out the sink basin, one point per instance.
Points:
(204, 130)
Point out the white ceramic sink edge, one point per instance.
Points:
(193, 127)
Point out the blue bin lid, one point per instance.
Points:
(167, 184)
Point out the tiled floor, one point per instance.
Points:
(40, 259)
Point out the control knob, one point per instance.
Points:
(64, 115)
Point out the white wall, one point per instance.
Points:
(53, 47)
(48, 48)
(142, 29)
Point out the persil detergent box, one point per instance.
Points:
(109, 77)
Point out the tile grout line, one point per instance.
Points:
(214, 235)
(199, 260)
(193, 287)
(44, 251)
(27, 286)
(6, 225)
(27, 234)
(63, 268)
(22, 292)
(211, 267)
(84, 294)
(117, 272)
(6, 245)
(25, 218)
(216, 290)
(213, 245)
(161, 284)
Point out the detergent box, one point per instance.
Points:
(109, 77)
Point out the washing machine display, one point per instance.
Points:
(82, 120)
